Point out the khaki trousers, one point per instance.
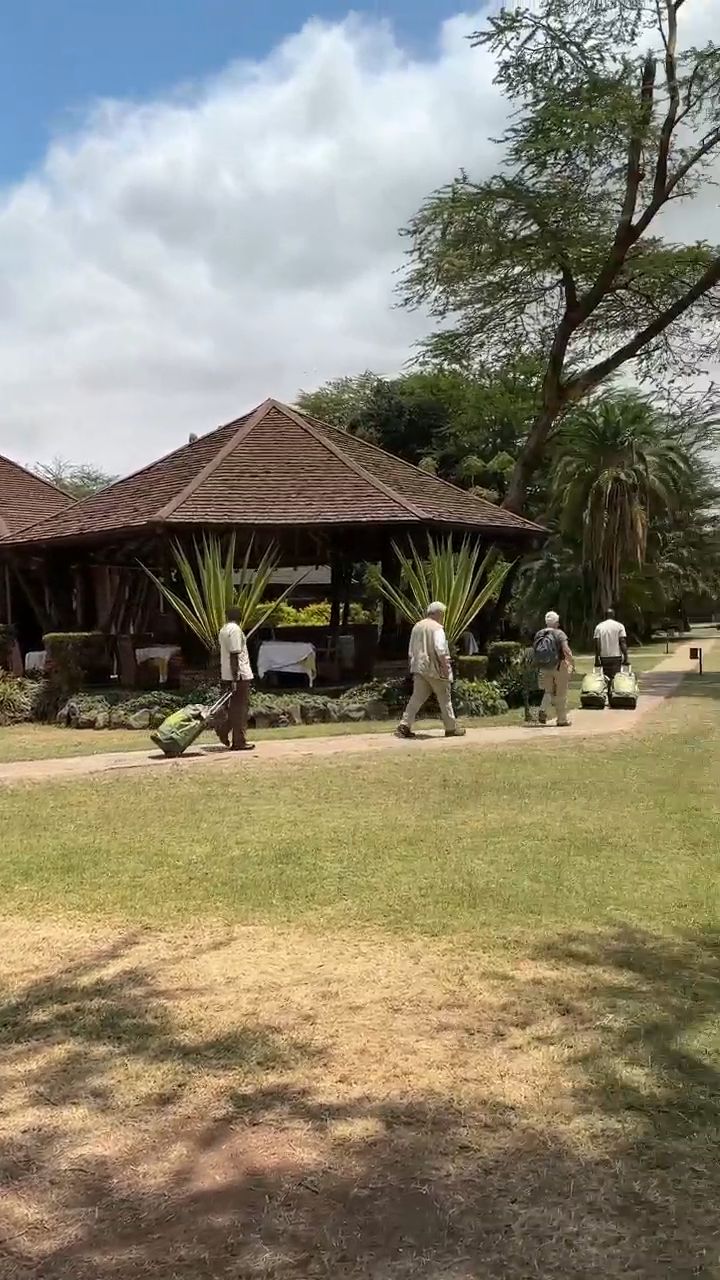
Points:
(423, 688)
(554, 685)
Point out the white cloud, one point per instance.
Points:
(175, 262)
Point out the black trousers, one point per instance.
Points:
(232, 725)
(611, 667)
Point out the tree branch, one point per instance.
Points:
(578, 387)
(673, 88)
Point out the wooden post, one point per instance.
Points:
(8, 595)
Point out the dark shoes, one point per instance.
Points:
(243, 746)
(402, 731)
(542, 717)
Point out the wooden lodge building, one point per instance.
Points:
(275, 475)
(25, 499)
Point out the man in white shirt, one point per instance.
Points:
(431, 671)
(236, 674)
(611, 650)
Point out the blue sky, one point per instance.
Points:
(56, 56)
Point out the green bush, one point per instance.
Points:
(474, 668)
(471, 698)
(520, 681)
(76, 657)
(17, 698)
(478, 698)
(502, 656)
(315, 615)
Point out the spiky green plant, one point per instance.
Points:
(209, 589)
(457, 576)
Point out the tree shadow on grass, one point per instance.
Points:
(283, 1183)
(105, 1005)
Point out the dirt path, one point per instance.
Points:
(656, 686)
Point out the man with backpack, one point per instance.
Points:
(554, 664)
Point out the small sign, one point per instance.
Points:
(696, 655)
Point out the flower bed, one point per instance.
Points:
(378, 700)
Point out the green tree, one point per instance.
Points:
(340, 401)
(562, 251)
(618, 466)
(465, 427)
(77, 480)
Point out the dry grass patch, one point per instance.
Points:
(254, 1103)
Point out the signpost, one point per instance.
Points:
(696, 656)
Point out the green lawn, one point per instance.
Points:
(39, 742)
(591, 832)
(431, 1014)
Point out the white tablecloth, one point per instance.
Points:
(294, 656)
(35, 661)
(160, 654)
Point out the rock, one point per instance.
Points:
(118, 718)
(139, 719)
(71, 713)
(314, 713)
(102, 720)
(293, 713)
(157, 715)
(354, 711)
(334, 712)
(267, 719)
(376, 710)
(85, 719)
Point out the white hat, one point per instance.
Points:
(435, 607)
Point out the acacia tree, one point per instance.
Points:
(79, 480)
(562, 250)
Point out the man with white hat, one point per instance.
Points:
(431, 671)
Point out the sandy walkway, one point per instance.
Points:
(656, 685)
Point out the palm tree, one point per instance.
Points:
(619, 464)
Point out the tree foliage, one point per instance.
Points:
(634, 509)
(562, 251)
(464, 427)
(79, 480)
(618, 468)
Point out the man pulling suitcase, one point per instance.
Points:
(236, 676)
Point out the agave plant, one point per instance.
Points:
(210, 589)
(457, 576)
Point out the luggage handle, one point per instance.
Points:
(209, 713)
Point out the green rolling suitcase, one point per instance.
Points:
(180, 729)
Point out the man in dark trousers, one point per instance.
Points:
(236, 674)
(611, 649)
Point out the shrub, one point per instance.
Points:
(520, 681)
(474, 668)
(18, 698)
(478, 698)
(502, 656)
(315, 615)
(76, 657)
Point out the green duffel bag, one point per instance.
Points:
(593, 691)
(624, 690)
